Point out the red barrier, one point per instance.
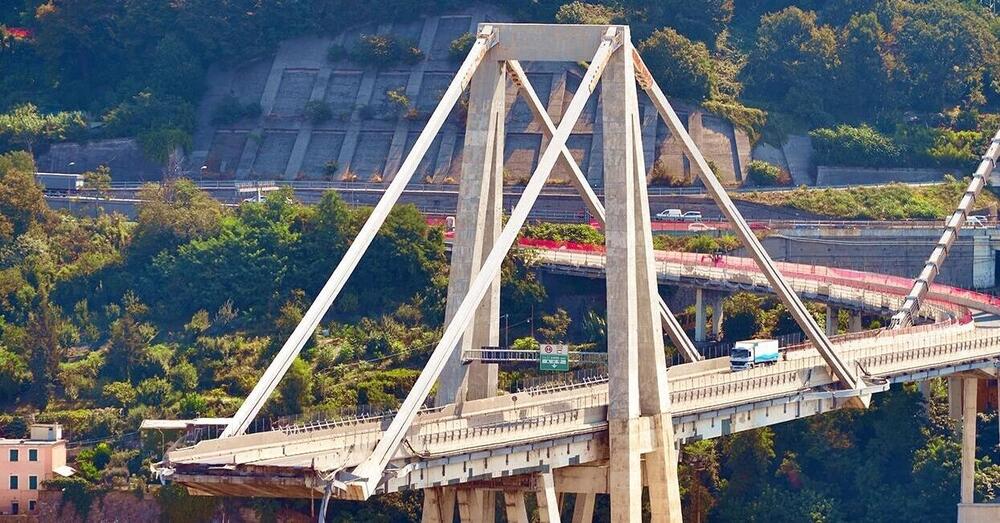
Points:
(875, 282)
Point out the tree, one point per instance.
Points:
(944, 51)
(296, 388)
(172, 213)
(26, 127)
(741, 320)
(554, 326)
(865, 73)
(682, 67)
(22, 202)
(584, 13)
(98, 180)
(44, 346)
(792, 62)
(122, 393)
(129, 342)
(696, 19)
(14, 376)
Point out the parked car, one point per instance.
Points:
(691, 216)
(669, 215)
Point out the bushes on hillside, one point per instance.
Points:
(230, 110)
(460, 47)
(565, 232)
(910, 146)
(762, 173)
(23, 126)
(318, 111)
(857, 146)
(382, 51)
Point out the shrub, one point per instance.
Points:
(565, 232)
(460, 47)
(381, 51)
(158, 144)
(660, 175)
(854, 146)
(230, 110)
(318, 111)
(584, 13)
(398, 100)
(762, 173)
(331, 167)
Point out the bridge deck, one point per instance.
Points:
(567, 427)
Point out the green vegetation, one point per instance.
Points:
(864, 146)
(892, 202)
(318, 111)
(460, 47)
(682, 66)
(382, 51)
(230, 110)
(769, 67)
(762, 173)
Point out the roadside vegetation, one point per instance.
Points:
(888, 202)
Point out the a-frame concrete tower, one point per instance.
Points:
(640, 430)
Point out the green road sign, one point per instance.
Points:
(553, 357)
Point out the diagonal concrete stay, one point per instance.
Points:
(922, 284)
(847, 376)
(361, 482)
(485, 40)
(579, 181)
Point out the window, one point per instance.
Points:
(32, 454)
(13, 455)
(13, 482)
(31, 505)
(15, 507)
(32, 482)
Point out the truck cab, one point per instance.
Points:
(751, 353)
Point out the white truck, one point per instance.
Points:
(751, 353)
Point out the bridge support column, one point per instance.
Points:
(832, 320)
(969, 389)
(855, 324)
(634, 331)
(514, 503)
(955, 397)
(439, 505)
(717, 316)
(476, 506)
(477, 226)
(548, 501)
(583, 508)
(699, 315)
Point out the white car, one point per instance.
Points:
(669, 215)
(698, 227)
(976, 221)
(692, 216)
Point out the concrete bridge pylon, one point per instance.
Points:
(640, 427)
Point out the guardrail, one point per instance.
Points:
(323, 185)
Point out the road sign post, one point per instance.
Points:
(553, 357)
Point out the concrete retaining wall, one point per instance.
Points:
(827, 175)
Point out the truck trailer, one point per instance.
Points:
(59, 182)
(751, 353)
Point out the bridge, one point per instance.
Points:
(616, 434)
